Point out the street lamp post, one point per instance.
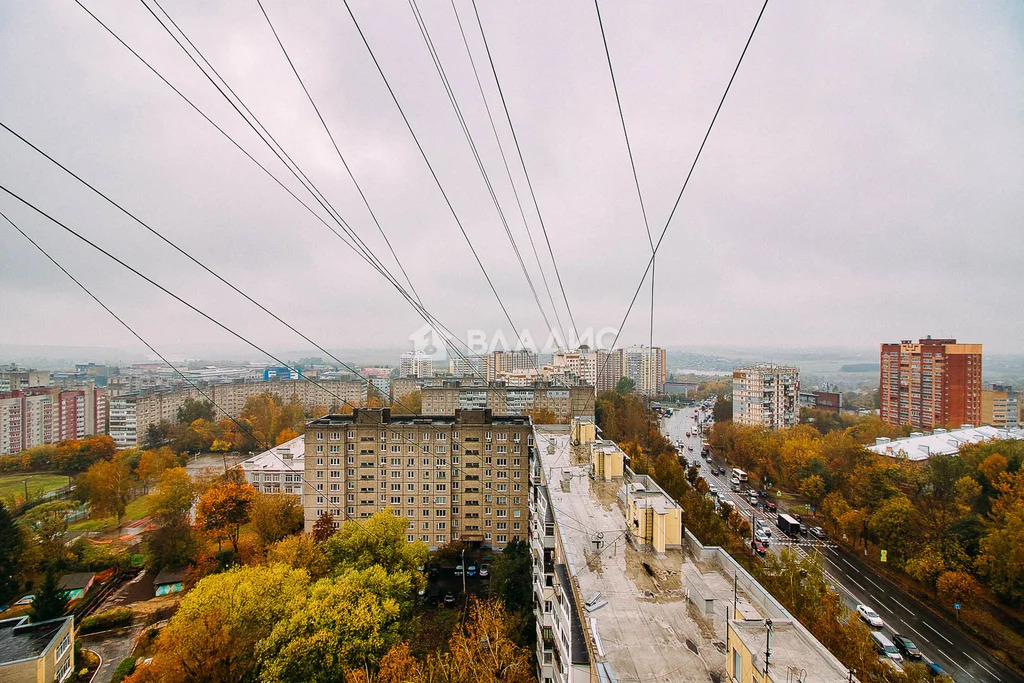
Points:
(463, 571)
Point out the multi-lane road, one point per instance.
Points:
(857, 582)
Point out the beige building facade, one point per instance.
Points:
(451, 477)
(42, 652)
(766, 395)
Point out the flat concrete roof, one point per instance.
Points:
(947, 442)
(647, 631)
(792, 652)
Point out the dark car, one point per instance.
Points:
(770, 506)
(905, 646)
(432, 569)
(937, 671)
(449, 598)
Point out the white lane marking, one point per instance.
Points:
(903, 606)
(953, 662)
(848, 564)
(873, 583)
(919, 635)
(937, 631)
(856, 584)
(981, 665)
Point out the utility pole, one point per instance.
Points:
(25, 482)
(767, 645)
(463, 571)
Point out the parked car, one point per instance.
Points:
(885, 647)
(485, 570)
(458, 570)
(906, 647)
(753, 499)
(818, 532)
(449, 598)
(937, 671)
(759, 548)
(870, 616)
(471, 570)
(432, 569)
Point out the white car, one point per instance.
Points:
(761, 536)
(713, 492)
(871, 616)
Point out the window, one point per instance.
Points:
(335, 436)
(502, 538)
(441, 526)
(737, 664)
(65, 670)
(319, 436)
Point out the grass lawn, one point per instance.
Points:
(38, 483)
(136, 510)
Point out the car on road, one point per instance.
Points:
(761, 536)
(818, 532)
(770, 506)
(906, 646)
(690, 447)
(471, 570)
(936, 671)
(485, 570)
(433, 568)
(885, 647)
(759, 548)
(449, 598)
(713, 492)
(870, 616)
(458, 570)
(752, 499)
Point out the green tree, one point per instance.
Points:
(511, 576)
(10, 554)
(300, 552)
(625, 386)
(891, 524)
(378, 540)
(46, 524)
(50, 601)
(813, 488)
(173, 497)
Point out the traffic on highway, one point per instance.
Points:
(905, 628)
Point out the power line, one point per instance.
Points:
(508, 173)
(336, 149)
(446, 334)
(187, 255)
(689, 174)
(245, 428)
(435, 57)
(430, 166)
(636, 179)
(526, 173)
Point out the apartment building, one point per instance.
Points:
(132, 414)
(565, 402)
(416, 364)
(931, 383)
(278, 470)
(582, 363)
(40, 652)
(646, 366)
(14, 378)
(508, 361)
(470, 366)
(623, 592)
(1001, 406)
(452, 477)
(766, 395)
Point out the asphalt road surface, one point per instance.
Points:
(858, 583)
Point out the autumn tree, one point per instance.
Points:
(173, 543)
(224, 508)
(410, 404)
(46, 525)
(484, 651)
(341, 625)
(813, 488)
(300, 552)
(216, 631)
(110, 485)
(78, 455)
(957, 588)
(275, 516)
(323, 527)
(543, 416)
(151, 465)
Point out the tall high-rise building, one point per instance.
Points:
(470, 366)
(931, 383)
(766, 395)
(416, 364)
(646, 366)
(451, 477)
(611, 365)
(509, 361)
(1000, 406)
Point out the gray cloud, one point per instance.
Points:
(862, 183)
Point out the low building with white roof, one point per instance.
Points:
(279, 470)
(921, 446)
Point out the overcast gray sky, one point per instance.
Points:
(862, 184)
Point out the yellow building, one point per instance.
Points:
(795, 656)
(1000, 406)
(36, 653)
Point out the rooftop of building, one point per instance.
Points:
(20, 640)
(385, 416)
(646, 631)
(920, 446)
(793, 652)
(286, 456)
(76, 581)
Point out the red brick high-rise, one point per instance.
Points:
(931, 383)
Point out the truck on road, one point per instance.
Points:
(788, 525)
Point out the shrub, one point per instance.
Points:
(123, 670)
(112, 618)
